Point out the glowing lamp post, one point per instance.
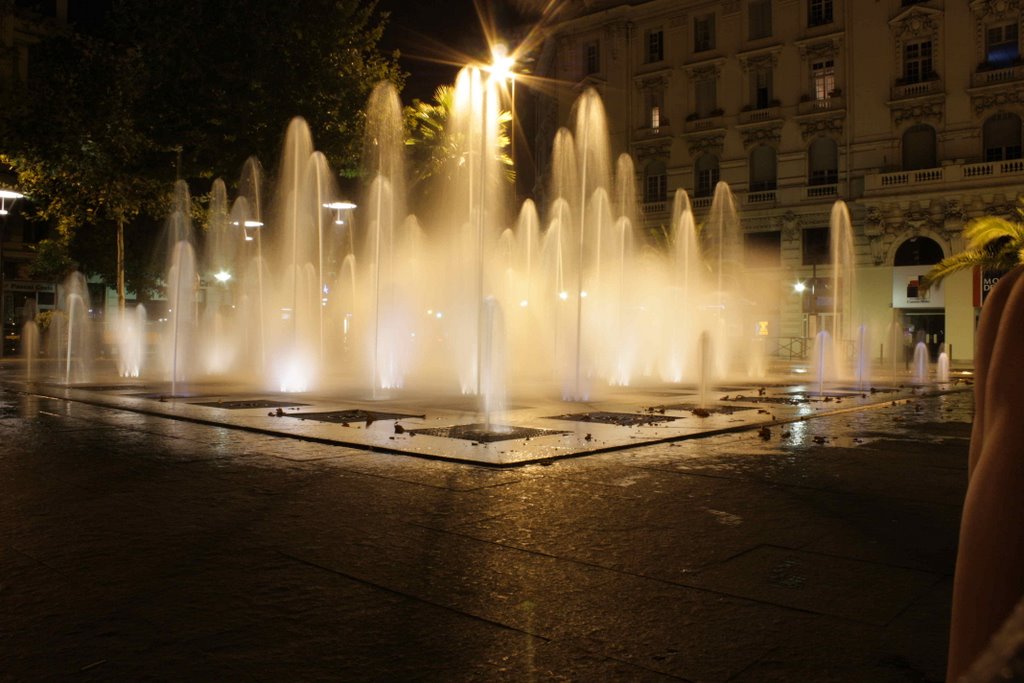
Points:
(7, 198)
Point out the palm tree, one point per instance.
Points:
(996, 244)
(436, 150)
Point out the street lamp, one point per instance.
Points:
(7, 199)
(338, 207)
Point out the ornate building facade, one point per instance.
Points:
(909, 111)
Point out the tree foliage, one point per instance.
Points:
(436, 149)
(996, 244)
(167, 89)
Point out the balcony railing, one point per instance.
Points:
(707, 123)
(816, 191)
(700, 202)
(980, 79)
(1010, 171)
(655, 207)
(834, 103)
(761, 197)
(919, 89)
(759, 115)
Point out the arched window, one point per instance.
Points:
(823, 162)
(655, 182)
(762, 169)
(1001, 137)
(918, 251)
(705, 173)
(919, 148)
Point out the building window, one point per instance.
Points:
(705, 173)
(655, 182)
(760, 18)
(823, 162)
(591, 58)
(761, 83)
(819, 12)
(704, 33)
(816, 246)
(655, 46)
(654, 107)
(1001, 45)
(1001, 137)
(917, 61)
(706, 97)
(823, 79)
(919, 148)
(762, 249)
(762, 169)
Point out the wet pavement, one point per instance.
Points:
(136, 546)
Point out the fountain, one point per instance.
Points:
(942, 368)
(920, 365)
(481, 299)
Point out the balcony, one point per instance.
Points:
(907, 91)
(1006, 172)
(826, 106)
(700, 202)
(820, 191)
(761, 197)
(698, 125)
(649, 132)
(984, 77)
(652, 208)
(759, 115)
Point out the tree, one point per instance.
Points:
(225, 77)
(72, 137)
(996, 244)
(168, 89)
(436, 149)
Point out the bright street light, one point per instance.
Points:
(338, 207)
(222, 276)
(502, 63)
(8, 197)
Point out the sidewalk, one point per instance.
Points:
(134, 546)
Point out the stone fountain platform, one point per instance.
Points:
(451, 428)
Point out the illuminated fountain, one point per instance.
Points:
(484, 299)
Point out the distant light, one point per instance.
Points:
(501, 62)
(439, 315)
(338, 221)
(249, 238)
(583, 294)
(524, 303)
(800, 371)
(799, 287)
(340, 206)
(10, 194)
(253, 224)
(222, 276)
(563, 295)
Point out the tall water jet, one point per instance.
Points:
(703, 368)
(844, 305)
(862, 363)
(492, 348)
(30, 348)
(385, 208)
(77, 346)
(920, 363)
(823, 359)
(942, 369)
(131, 342)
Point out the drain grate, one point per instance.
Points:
(483, 433)
(618, 419)
(253, 403)
(345, 417)
(712, 410)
